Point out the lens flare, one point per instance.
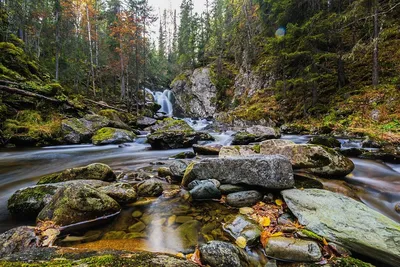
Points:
(280, 32)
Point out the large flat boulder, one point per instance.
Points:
(74, 204)
(345, 221)
(274, 172)
(256, 133)
(318, 160)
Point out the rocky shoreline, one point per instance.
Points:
(213, 210)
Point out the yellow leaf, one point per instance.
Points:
(180, 255)
(324, 241)
(264, 221)
(277, 234)
(278, 202)
(241, 242)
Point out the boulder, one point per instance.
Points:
(207, 149)
(95, 171)
(274, 172)
(205, 190)
(231, 188)
(108, 135)
(184, 155)
(243, 198)
(241, 226)
(30, 201)
(255, 133)
(144, 122)
(150, 188)
(121, 192)
(236, 151)
(317, 160)
(327, 141)
(222, 254)
(76, 131)
(345, 221)
(195, 183)
(172, 134)
(74, 204)
(178, 168)
(16, 240)
(292, 249)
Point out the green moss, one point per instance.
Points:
(256, 148)
(103, 134)
(311, 234)
(181, 77)
(350, 262)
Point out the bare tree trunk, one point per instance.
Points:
(122, 72)
(375, 62)
(57, 38)
(90, 50)
(144, 62)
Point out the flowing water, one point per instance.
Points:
(378, 186)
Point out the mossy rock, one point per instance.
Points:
(108, 135)
(31, 200)
(121, 192)
(95, 171)
(74, 204)
(76, 131)
(325, 141)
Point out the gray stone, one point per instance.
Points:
(178, 168)
(144, 122)
(237, 151)
(223, 254)
(205, 190)
(346, 222)
(273, 172)
(242, 226)
(318, 160)
(207, 149)
(292, 249)
(195, 183)
(231, 188)
(243, 199)
(17, 239)
(255, 133)
(73, 204)
(150, 188)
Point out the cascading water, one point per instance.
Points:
(164, 99)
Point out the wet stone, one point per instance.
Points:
(205, 190)
(293, 249)
(242, 226)
(231, 188)
(195, 183)
(150, 188)
(183, 219)
(137, 227)
(243, 199)
(137, 214)
(114, 235)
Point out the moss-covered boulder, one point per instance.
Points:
(171, 134)
(327, 141)
(315, 159)
(108, 135)
(76, 131)
(121, 192)
(17, 239)
(28, 202)
(95, 171)
(207, 150)
(74, 204)
(255, 133)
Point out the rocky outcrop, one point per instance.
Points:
(345, 221)
(195, 93)
(273, 172)
(74, 204)
(95, 171)
(172, 134)
(108, 135)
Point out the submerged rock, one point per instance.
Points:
(95, 171)
(273, 172)
(315, 159)
(241, 226)
(74, 204)
(16, 240)
(254, 134)
(188, 235)
(292, 249)
(347, 222)
(123, 193)
(244, 198)
(108, 135)
(223, 254)
(327, 141)
(205, 190)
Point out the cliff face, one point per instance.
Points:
(195, 93)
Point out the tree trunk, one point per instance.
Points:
(90, 50)
(375, 62)
(122, 72)
(57, 38)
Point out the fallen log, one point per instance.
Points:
(17, 91)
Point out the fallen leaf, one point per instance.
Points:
(241, 242)
(278, 202)
(264, 221)
(196, 257)
(277, 234)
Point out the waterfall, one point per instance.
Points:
(164, 100)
